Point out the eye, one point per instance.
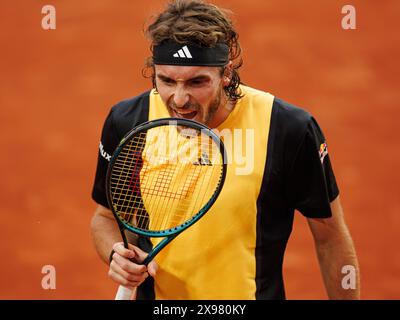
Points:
(167, 81)
(197, 82)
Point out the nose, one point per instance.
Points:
(181, 97)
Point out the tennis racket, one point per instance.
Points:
(162, 178)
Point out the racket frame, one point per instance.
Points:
(171, 233)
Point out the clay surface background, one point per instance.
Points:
(57, 86)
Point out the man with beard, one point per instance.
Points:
(236, 251)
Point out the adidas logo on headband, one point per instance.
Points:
(183, 53)
(180, 54)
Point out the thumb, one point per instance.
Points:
(140, 255)
(152, 268)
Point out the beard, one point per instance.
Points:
(204, 114)
(213, 108)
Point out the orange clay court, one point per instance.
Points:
(57, 87)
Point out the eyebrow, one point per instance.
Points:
(199, 77)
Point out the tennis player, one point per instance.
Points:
(236, 251)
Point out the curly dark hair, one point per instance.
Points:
(201, 23)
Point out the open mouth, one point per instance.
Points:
(186, 115)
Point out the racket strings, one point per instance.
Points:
(141, 215)
(191, 182)
(163, 218)
(127, 166)
(169, 190)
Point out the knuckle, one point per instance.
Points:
(131, 278)
(125, 266)
(115, 257)
(110, 273)
(119, 248)
(141, 268)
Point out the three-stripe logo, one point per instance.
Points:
(183, 53)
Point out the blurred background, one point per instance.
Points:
(57, 86)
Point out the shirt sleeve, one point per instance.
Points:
(108, 143)
(312, 184)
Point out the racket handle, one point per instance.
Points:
(124, 293)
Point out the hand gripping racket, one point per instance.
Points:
(162, 178)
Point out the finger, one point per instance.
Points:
(126, 275)
(122, 281)
(121, 250)
(139, 253)
(128, 265)
(152, 268)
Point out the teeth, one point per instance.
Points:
(185, 112)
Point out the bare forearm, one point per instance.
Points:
(339, 267)
(104, 234)
(336, 254)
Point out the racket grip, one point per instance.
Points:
(124, 293)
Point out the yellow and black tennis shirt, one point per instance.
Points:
(236, 250)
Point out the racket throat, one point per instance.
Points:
(158, 248)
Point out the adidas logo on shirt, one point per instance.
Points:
(183, 53)
(204, 160)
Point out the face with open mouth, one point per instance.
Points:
(194, 93)
(194, 111)
(190, 111)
